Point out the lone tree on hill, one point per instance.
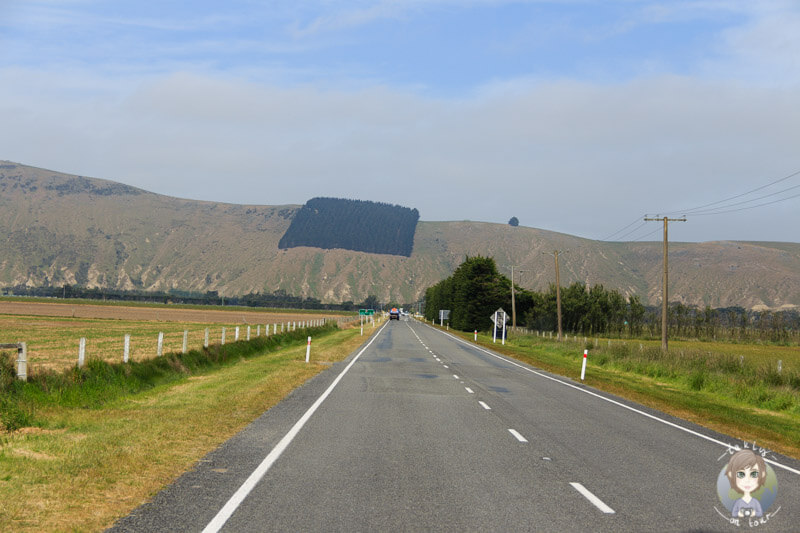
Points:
(513, 222)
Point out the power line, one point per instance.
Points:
(744, 208)
(762, 187)
(637, 219)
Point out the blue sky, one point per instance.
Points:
(574, 116)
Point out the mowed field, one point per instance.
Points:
(53, 331)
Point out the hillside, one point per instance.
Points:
(58, 228)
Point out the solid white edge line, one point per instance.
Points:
(485, 406)
(517, 435)
(648, 415)
(597, 502)
(238, 497)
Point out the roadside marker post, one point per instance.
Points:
(185, 346)
(476, 335)
(308, 349)
(494, 329)
(160, 348)
(583, 367)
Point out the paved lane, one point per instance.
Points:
(427, 432)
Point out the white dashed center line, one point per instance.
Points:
(483, 404)
(592, 498)
(455, 376)
(517, 435)
(469, 390)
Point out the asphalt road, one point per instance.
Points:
(420, 431)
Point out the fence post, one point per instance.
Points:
(223, 336)
(185, 340)
(81, 352)
(126, 350)
(236, 333)
(258, 330)
(248, 332)
(22, 361)
(160, 343)
(205, 340)
(780, 366)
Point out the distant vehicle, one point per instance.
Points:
(394, 314)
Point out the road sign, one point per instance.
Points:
(362, 312)
(444, 314)
(501, 317)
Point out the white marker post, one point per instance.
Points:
(476, 335)
(494, 329)
(504, 328)
(583, 367)
(308, 349)
(160, 348)
(185, 346)
(126, 351)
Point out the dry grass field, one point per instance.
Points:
(52, 331)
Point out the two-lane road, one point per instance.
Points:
(420, 430)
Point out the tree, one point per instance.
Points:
(513, 222)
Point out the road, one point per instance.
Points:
(421, 431)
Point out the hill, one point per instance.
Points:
(59, 228)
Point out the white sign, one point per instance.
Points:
(501, 317)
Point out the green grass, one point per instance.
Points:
(106, 439)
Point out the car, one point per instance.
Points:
(394, 314)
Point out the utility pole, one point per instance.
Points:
(665, 280)
(558, 290)
(513, 303)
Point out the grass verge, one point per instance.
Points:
(743, 398)
(97, 451)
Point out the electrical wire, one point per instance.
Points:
(637, 219)
(762, 187)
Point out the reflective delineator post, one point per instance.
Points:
(583, 367)
(308, 349)
(476, 335)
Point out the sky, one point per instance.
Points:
(576, 116)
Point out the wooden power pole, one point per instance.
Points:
(558, 291)
(513, 303)
(665, 280)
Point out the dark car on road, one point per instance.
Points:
(394, 314)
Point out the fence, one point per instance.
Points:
(22, 358)
(127, 341)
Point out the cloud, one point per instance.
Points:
(569, 156)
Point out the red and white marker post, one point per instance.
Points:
(476, 335)
(583, 367)
(308, 349)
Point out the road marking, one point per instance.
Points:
(517, 435)
(609, 400)
(483, 404)
(446, 366)
(455, 376)
(597, 502)
(469, 390)
(238, 497)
